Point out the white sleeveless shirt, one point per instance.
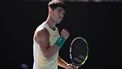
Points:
(40, 62)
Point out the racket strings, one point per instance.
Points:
(79, 47)
(79, 59)
(79, 50)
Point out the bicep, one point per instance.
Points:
(42, 38)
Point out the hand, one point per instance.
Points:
(64, 33)
(69, 66)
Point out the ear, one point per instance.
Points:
(50, 10)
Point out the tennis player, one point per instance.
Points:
(47, 41)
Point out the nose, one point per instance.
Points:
(61, 16)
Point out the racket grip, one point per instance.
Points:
(60, 42)
(75, 67)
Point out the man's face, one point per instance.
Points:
(58, 14)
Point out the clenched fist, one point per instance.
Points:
(64, 33)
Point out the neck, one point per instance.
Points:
(51, 23)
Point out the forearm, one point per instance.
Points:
(61, 62)
(51, 51)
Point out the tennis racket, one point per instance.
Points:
(78, 51)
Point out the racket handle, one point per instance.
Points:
(73, 67)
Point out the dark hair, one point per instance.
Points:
(55, 4)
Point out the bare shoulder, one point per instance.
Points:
(41, 34)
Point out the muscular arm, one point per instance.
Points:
(42, 37)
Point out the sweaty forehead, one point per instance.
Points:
(60, 9)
